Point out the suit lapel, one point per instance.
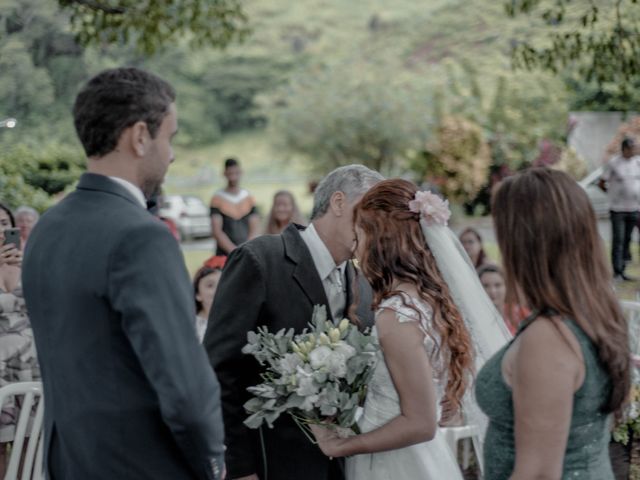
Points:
(304, 272)
(352, 284)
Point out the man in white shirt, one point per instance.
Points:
(275, 281)
(621, 180)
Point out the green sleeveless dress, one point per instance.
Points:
(587, 453)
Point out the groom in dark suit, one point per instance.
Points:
(275, 280)
(129, 392)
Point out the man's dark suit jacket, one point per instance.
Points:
(270, 281)
(129, 393)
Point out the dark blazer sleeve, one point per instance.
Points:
(236, 308)
(149, 287)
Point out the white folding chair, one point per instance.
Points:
(469, 434)
(27, 428)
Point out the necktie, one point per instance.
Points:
(337, 298)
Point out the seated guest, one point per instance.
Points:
(492, 279)
(472, 243)
(205, 283)
(18, 362)
(283, 212)
(26, 218)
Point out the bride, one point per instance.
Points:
(432, 319)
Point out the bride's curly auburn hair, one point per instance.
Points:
(395, 250)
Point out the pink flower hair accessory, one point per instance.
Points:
(432, 209)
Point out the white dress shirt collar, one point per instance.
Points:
(320, 254)
(132, 189)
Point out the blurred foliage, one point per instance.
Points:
(516, 112)
(33, 176)
(42, 67)
(605, 97)
(352, 113)
(457, 161)
(338, 81)
(601, 39)
(571, 163)
(154, 24)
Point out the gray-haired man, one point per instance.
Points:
(275, 280)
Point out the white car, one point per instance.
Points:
(190, 215)
(599, 199)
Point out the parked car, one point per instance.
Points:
(599, 199)
(190, 215)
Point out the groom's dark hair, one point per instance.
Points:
(114, 100)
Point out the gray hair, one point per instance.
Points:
(352, 180)
(24, 210)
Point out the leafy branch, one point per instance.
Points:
(604, 46)
(152, 24)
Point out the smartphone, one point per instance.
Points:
(12, 235)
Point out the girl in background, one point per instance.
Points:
(493, 282)
(472, 243)
(283, 212)
(205, 284)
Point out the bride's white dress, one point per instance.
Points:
(432, 460)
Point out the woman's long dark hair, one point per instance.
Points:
(10, 214)
(396, 250)
(553, 254)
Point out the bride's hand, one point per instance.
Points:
(328, 441)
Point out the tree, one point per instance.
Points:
(601, 38)
(516, 110)
(27, 90)
(351, 114)
(34, 175)
(605, 97)
(153, 24)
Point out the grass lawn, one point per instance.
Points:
(194, 259)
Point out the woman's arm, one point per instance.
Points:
(547, 370)
(411, 372)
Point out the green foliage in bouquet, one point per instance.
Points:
(318, 376)
(630, 420)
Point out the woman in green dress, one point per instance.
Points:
(549, 394)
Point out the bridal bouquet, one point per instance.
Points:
(318, 377)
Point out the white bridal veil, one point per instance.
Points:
(485, 324)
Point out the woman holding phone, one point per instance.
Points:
(18, 361)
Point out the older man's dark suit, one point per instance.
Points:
(270, 281)
(129, 393)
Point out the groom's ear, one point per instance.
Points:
(338, 202)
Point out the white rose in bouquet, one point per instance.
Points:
(319, 355)
(337, 364)
(306, 384)
(346, 350)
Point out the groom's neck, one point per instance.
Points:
(330, 234)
